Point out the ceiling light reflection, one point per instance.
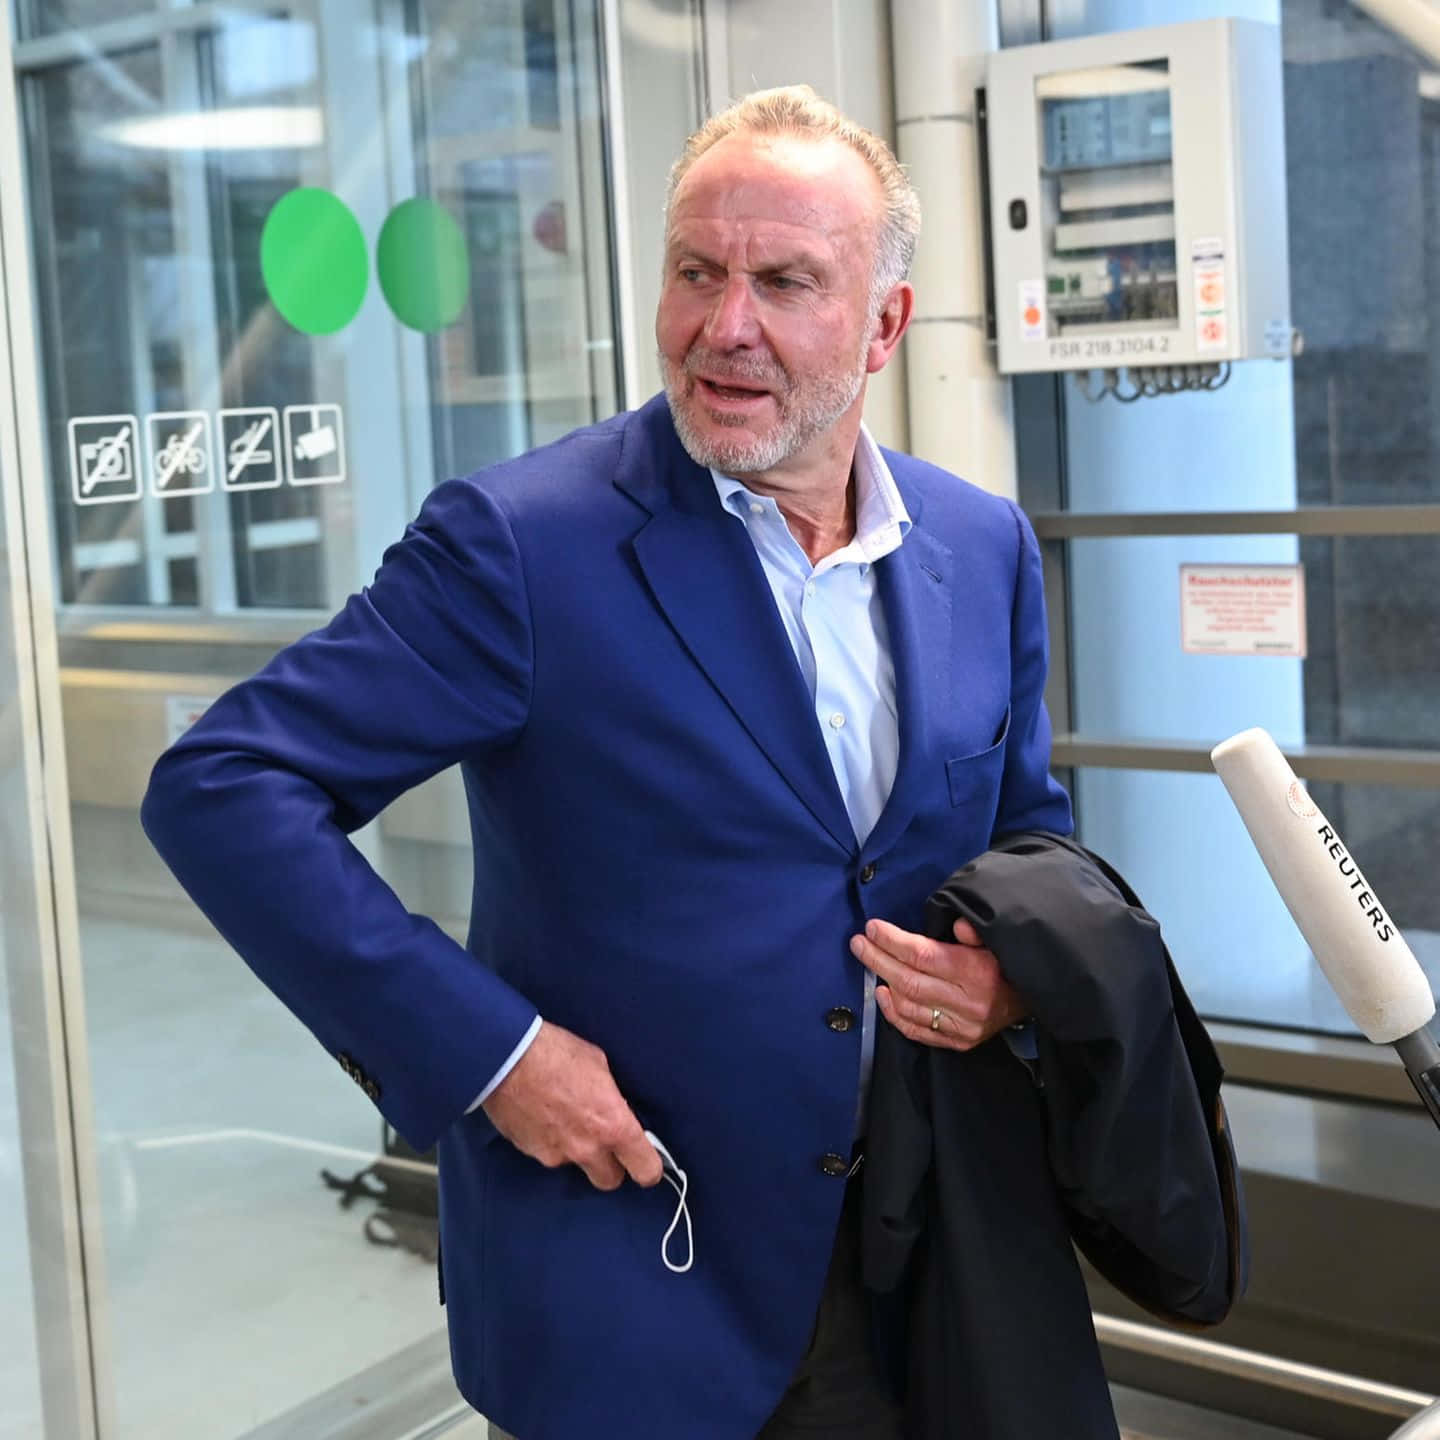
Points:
(246, 127)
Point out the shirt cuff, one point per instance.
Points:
(512, 1060)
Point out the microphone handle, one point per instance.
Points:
(1421, 1055)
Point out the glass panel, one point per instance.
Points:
(1181, 844)
(48, 17)
(1362, 137)
(1352, 421)
(109, 272)
(292, 272)
(1108, 197)
(1129, 675)
(1355, 418)
(158, 171)
(1371, 675)
(276, 550)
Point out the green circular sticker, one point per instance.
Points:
(313, 258)
(423, 266)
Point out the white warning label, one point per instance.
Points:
(1032, 309)
(1242, 610)
(1212, 327)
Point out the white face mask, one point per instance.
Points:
(680, 1183)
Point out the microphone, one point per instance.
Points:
(1353, 938)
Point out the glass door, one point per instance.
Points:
(289, 265)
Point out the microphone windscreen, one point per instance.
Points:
(1357, 944)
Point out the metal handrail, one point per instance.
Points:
(1291, 1375)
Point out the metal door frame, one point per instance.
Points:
(40, 919)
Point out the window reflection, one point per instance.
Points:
(155, 168)
(108, 271)
(1362, 136)
(274, 533)
(49, 17)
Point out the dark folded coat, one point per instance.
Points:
(981, 1168)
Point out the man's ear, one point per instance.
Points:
(890, 325)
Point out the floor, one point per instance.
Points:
(1151, 1417)
(214, 1113)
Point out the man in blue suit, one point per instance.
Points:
(733, 690)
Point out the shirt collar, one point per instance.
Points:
(881, 520)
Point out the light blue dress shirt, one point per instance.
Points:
(834, 617)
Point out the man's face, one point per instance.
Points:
(764, 321)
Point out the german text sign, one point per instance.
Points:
(1242, 609)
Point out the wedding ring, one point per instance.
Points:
(935, 1019)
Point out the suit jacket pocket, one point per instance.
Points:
(974, 780)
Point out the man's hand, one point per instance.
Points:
(950, 996)
(561, 1106)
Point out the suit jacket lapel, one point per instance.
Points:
(916, 588)
(705, 575)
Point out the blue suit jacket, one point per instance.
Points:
(663, 864)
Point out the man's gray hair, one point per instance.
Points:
(797, 110)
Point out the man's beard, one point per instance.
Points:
(806, 408)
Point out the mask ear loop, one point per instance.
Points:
(680, 1183)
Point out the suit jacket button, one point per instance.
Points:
(867, 873)
(835, 1165)
(840, 1019)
